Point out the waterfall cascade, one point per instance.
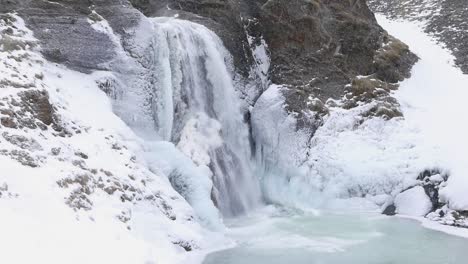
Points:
(195, 105)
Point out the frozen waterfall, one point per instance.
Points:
(195, 105)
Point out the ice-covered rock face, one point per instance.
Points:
(357, 154)
(346, 157)
(280, 148)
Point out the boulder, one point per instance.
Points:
(413, 202)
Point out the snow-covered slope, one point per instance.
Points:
(433, 100)
(445, 20)
(75, 186)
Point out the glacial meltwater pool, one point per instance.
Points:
(339, 239)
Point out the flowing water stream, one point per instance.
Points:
(196, 106)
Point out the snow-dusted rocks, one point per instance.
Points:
(413, 202)
(450, 217)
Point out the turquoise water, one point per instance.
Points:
(339, 239)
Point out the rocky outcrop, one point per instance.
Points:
(317, 47)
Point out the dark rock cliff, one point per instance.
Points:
(316, 47)
(312, 44)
